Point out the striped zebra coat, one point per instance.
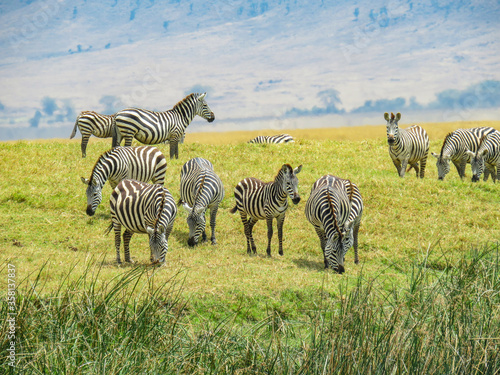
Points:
(488, 153)
(151, 127)
(334, 209)
(201, 189)
(455, 147)
(257, 200)
(92, 123)
(280, 138)
(143, 163)
(407, 146)
(142, 208)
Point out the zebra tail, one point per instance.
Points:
(114, 133)
(74, 129)
(234, 209)
(108, 229)
(180, 202)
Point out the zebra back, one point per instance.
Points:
(280, 138)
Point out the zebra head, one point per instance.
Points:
(94, 195)
(157, 243)
(196, 222)
(442, 164)
(392, 127)
(202, 108)
(477, 163)
(336, 246)
(291, 182)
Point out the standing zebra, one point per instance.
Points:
(334, 208)
(143, 163)
(92, 123)
(455, 147)
(142, 208)
(201, 189)
(489, 153)
(280, 138)
(151, 127)
(407, 146)
(257, 200)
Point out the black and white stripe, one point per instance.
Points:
(200, 189)
(151, 127)
(257, 200)
(280, 138)
(455, 147)
(142, 208)
(143, 163)
(408, 146)
(92, 123)
(334, 208)
(487, 154)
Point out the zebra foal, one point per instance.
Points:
(143, 163)
(201, 189)
(334, 209)
(488, 153)
(455, 147)
(92, 123)
(151, 127)
(407, 146)
(142, 208)
(280, 138)
(257, 200)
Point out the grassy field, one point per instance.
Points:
(421, 234)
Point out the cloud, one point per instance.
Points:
(485, 94)
(35, 120)
(329, 98)
(2, 107)
(112, 104)
(200, 89)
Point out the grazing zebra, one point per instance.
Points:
(143, 163)
(151, 127)
(280, 138)
(257, 200)
(455, 147)
(92, 123)
(407, 146)
(334, 208)
(488, 153)
(201, 189)
(142, 208)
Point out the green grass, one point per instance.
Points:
(427, 277)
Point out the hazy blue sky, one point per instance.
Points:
(263, 64)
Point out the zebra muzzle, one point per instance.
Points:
(296, 200)
(90, 211)
(211, 118)
(475, 178)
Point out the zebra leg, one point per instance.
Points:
(497, 174)
(128, 141)
(322, 240)
(118, 228)
(174, 149)
(127, 235)
(247, 226)
(269, 221)
(461, 168)
(397, 164)
(280, 219)
(423, 164)
(213, 215)
(402, 170)
(85, 140)
(355, 242)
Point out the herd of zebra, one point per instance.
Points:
(334, 207)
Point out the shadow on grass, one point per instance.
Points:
(309, 264)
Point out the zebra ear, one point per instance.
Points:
(435, 155)
(386, 116)
(483, 153)
(85, 180)
(470, 153)
(297, 170)
(161, 229)
(187, 208)
(150, 230)
(202, 96)
(398, 116)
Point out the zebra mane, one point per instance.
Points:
(444, 143)
(161, 208)
(333, 211)
(101, 157)
(186, 99)
(481, 141)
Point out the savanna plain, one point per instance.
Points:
(424, 298)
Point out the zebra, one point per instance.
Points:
(200, 189)
(151, 127)
(143, 163)
(334, 209)
(280, 138)
(407, 146)
(257, 200)
(142, 208)
(455, 147)
(92, 123)
(488, 153)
